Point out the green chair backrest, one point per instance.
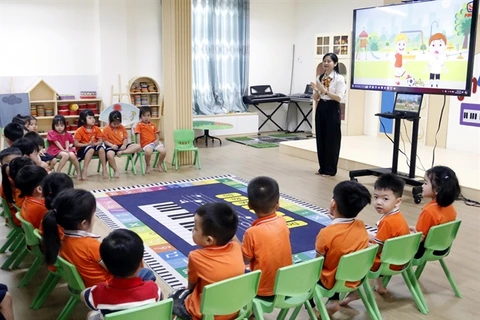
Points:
(8, 214)
(441, 237)
(28, 229)
(230, 295)
(296, 282)
(354, 267)
(71, 276)
(183, 138)
(401, 250)
(155, 311)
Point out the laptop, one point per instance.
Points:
(307, 93)
(406, 105)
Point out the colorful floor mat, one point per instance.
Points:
(162, 214)
(266, 141)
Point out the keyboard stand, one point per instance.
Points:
(269, 117)
(408, 178)
(305, 116)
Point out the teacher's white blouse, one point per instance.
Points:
(337, 86)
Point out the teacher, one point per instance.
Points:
(329, 90)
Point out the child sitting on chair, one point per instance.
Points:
(89, 142)
(29, 181)
(122, 253)
(149, 136)
(266, 244)
(115, 139)
(441, 185)
(218, 259)
(344, 235)
(48, 162)
(387, 195)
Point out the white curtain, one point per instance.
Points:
(220, 49)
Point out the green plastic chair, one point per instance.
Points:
(141, 155)
(352, 267)
(400, 251)
(48, 284)
(15, 240)
(294, 285)
(159, 310)
(183, 139)
(439, 238)
(33, 247)
(75, 285)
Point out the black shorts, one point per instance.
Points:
(179, 308)
(107, 149)
(421, 251)
(434, 76)
(336, 295)
(3, 293)
(83, 150)
(46, 157)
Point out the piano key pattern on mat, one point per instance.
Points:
(160, 256)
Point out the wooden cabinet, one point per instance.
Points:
(45, 103)
(338, 44)
(145, 91)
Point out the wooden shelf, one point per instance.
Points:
(42, 101)
(66, 117)
(79, 100)
(135, 93)
(147, 105)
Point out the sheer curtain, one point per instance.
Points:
(220, 48)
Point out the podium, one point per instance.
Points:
(410, 177)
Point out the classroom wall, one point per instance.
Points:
(103, 38)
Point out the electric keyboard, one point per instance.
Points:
(265, 98)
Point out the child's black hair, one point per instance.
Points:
(351, 197)
(70, 208)
(263, 194)
(389, 181)
(26, 146)
(444, 184)
(29, 178)
(115, 116)
(14, 131)
(14, 167)
(82, 119)
(219, 221)
(10, 151)
(23, 120)
(59, 119)
(36, 138)
(122, 252)
(145, 110)
(53, 184)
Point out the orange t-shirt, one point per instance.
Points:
(391, 225)
(433, 215)
(147, 132)
(267, 244)
(341, 237)
(33, 211)
(209, 265)
(82, 249)
(84, 135)
(115, 136)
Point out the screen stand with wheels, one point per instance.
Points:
(408, 178)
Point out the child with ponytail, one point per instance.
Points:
(74, 210)
(442, 187)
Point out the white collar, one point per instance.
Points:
(395, 210)
(79, 234)
(342, 220)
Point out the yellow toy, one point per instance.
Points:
(74, 107)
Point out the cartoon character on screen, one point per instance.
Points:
(438, 45)
(400, 41)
